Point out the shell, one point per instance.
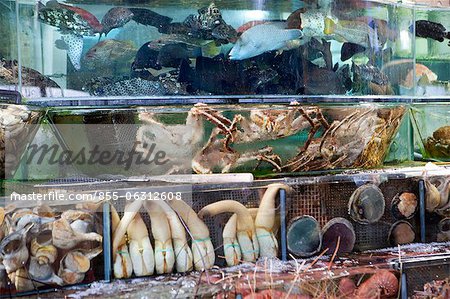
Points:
(42, 248)
(44, 210)
(382, 284)
(404, 205)
(21, 281)
(366, 205)
(65, 237)
(35, 219)
(401, 232)
(75, 261)
(432, 196)
(303, 236)
(338, 228)
(43, 273)
(72, 215)
(444, 230)
(14, 251)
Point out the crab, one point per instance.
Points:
(439, 144)
(178, 142)
(344, 142)
(260, 126)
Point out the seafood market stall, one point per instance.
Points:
(226, 149)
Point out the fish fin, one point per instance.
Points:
(186, 73)
(210, 50)
(423, 81)
(294, 34)
(52, 4)
(350, 49)
(60, 44)
(330, 25)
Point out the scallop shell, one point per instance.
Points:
(338, 228)
(303, 236)
(404, 205)
(401, 232)
(366, 205)
(444, 230)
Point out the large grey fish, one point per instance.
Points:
(263, 38)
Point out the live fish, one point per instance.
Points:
(354, 32)
(129, 87)
(115, 18)
(207, 24)
(109, 52)
(148, 17)
(208, 47)
(428, 29)
(69, 19)
(73, 44)
(250, 24)
(145, 59)
(30, 77)
(255, 41)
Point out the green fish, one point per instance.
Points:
(208, 47)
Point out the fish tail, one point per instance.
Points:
(330, 25)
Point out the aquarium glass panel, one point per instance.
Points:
(197, 48)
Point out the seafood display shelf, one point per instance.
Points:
(283, 275)
(323, 198)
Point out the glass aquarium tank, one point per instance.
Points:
(172, 48)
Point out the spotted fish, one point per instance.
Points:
(116, 17)
(129, 87)
(73, 44)
(109, 52)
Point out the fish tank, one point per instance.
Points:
(170, 48)
(263, 139)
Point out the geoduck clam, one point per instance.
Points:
(304, 237)
(404, 205)
(366, 205)
(246, 233)
(164, 254)
(183, 254)
(401, 232)
(202, 247)
(13, 249)
(141, 250)
(231, 247)
(265, 221)
(338, 234)
(122, 267)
